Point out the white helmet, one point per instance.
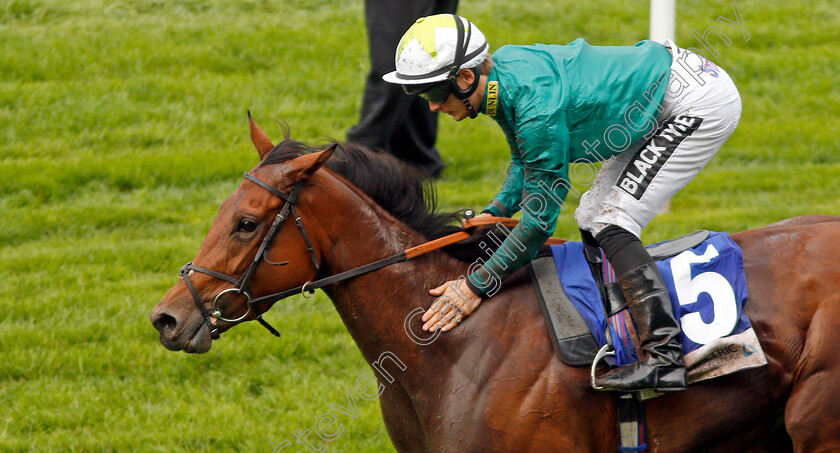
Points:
(435, 48)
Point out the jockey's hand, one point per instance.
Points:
(455, 301)
(483, 214)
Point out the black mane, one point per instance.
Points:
(400, 189)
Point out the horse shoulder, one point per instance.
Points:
(509, 366)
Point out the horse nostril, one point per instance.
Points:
(165, 323)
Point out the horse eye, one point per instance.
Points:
(246, 226)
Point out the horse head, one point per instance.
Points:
(258, 229)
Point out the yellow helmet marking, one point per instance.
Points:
(424, 32)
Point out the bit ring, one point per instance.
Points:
(218, 313)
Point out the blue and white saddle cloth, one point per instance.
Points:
(708, 291)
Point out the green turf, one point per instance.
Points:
(122, 128)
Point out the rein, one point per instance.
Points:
(308, 288)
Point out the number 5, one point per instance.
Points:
(712, 283)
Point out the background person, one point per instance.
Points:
(560, 104)
(402, 125)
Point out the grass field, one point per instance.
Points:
(122, 128)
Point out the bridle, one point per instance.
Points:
(241, 283)
(308, 288)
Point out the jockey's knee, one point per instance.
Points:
(584, 222)
(614, 215)
(586, 212)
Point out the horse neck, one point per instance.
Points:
(374, 306)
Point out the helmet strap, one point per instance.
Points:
(462, 43)
(464, 94)
(470, 108)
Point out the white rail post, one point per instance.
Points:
(663, 20)
(663, 25)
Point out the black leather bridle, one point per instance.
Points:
(241, 283)
(308, 288)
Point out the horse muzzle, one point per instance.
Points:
(181, 330)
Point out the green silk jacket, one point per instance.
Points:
(559, 104)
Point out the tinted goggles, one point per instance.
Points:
(436, 93)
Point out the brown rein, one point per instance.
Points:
(459, 236)
(411, 253)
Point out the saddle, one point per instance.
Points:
(573, 342)
(586, 311)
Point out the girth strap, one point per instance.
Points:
(632, 423)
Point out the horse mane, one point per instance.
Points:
(402, 190)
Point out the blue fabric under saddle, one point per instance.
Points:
(707, 286)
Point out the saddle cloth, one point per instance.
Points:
(708, 290)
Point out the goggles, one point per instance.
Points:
(436, 93)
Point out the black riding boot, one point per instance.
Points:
(661, 366)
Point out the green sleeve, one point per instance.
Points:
(506, 202)
(543, 141)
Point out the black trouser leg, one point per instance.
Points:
(661, 367)
(389, 119)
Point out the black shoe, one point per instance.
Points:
(661, 367)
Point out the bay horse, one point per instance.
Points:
(495, 382)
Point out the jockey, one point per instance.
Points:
(654, 114)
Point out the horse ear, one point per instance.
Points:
(258, 137)
(304, 166)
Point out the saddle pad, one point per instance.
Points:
(568, 331)
(708, 291)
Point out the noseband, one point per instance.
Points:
(241, 283)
